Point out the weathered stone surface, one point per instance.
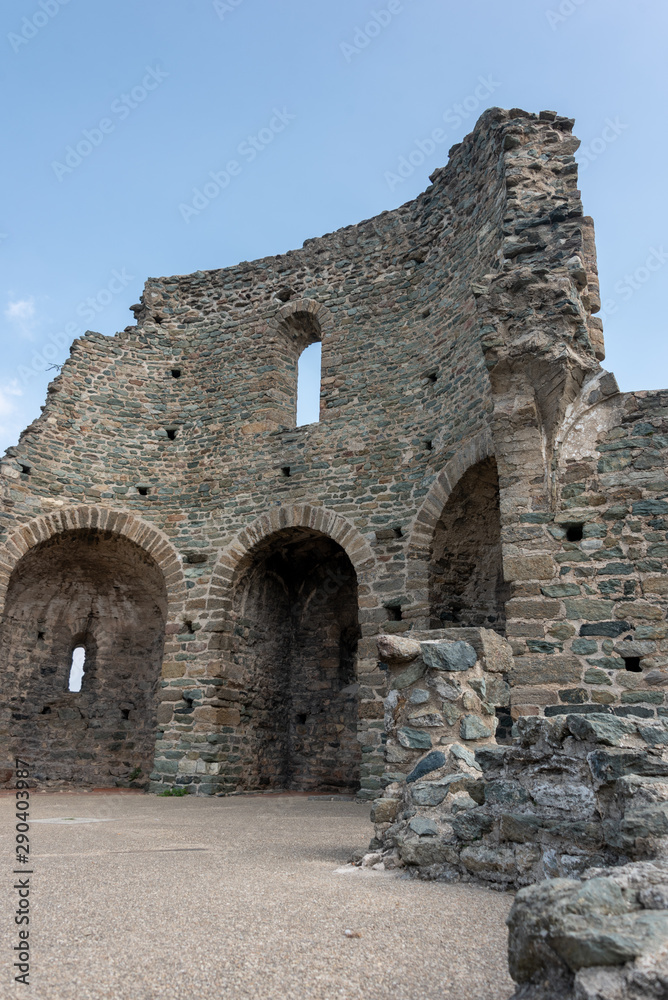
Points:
(397, 648)
(471, 728)
(409, 676)
(442, 655)
(430, 721)
(553, 669)
(384, 810)
(472, 824)
(414, 738)
(606, 729)
(429, 763)
(274, 556)
(423, 827)
(587, 941)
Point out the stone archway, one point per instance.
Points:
(107, 583)
(466, 585)
(423, 531)
(286, 595)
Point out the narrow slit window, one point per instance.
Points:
(77, 668)
(309, 371)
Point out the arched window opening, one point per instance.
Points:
(77, 668)
(309, 369)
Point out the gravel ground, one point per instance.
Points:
(180, 899)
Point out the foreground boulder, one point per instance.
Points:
(598, 939)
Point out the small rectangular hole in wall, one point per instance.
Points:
(171, 432)
(398, 533)
(394, 614)
(432, 377)
(25, 469)
(176, 373)
(125, 713)
(142, 491)
(285, 470)
(429, 446)
(632, 663)
(301, 718)
(574, 532)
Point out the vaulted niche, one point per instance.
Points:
(466, 586)
(81, 639)
(296, 642)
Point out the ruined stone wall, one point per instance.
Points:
(456, 331)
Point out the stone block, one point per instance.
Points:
(384, 810)
(527, 608)
(589, 609)
(432, 762)
(537, 670)
(414, 739)
(531, 566)
(397, 648)
(472, 728)
(448, 656)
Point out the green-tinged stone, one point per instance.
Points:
(561, 590)
(541, 646)
(415, 739)
(594, 676)
(574, 696)
(650, 697)
(471, 728)
(409, 676)
(584, 646)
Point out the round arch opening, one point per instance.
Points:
(97, 591)
(296, 631)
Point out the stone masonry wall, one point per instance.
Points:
(456, 330)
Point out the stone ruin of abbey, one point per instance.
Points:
(447, 596)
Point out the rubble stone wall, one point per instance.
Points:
(457, 332)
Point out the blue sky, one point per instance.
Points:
(316, 101)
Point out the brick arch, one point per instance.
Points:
(238, 553)
(424, 526)
(320, 314)
(125, 525)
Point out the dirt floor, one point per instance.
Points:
(136, 897)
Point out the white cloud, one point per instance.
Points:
(21, 313)
(7, 405)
